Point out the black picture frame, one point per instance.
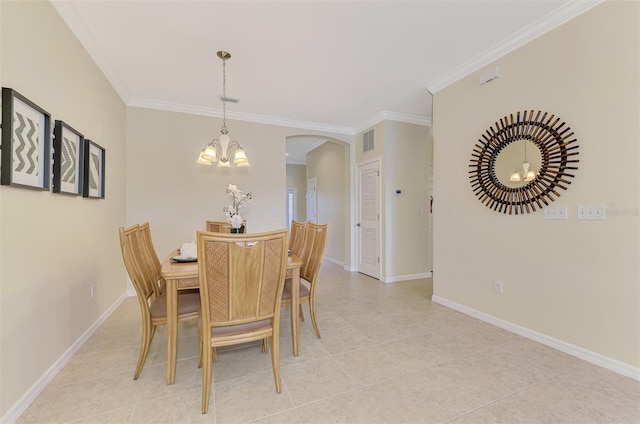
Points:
(26, 142)
(68, 159)
(93, 170)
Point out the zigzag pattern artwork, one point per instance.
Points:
(68, 161)
(25, 142)
(94, 171)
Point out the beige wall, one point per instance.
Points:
(177, 196)
(407, 159)
(572, 281)
(297, 178)
(404, 151)
(54, 247)
(328, 164)
(378, 150)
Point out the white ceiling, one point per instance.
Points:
(328, 65)
(298, 147)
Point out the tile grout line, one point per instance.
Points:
(509, 395)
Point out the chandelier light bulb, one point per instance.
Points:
(209, 153)
(202, 161)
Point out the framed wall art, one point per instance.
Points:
(26, 138)
(68, 149)
(93, 170)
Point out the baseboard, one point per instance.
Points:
(340, 263)
(25, 400)
(334, 261)
(405, 277)
(577, 351)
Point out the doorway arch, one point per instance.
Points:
(330, 161)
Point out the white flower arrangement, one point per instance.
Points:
(239, 202)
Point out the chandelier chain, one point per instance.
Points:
(224, 130)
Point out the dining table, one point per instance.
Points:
(184, 276)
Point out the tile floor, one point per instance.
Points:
(387, 355)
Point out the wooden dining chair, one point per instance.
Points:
(218, 227)
(296, 237)
(153, 262)
(315, 244)
(153, 307)
(241, 282)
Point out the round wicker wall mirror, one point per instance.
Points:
(520, 162)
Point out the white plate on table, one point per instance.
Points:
(184, 259)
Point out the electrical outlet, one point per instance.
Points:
(498, 287)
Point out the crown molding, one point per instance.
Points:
(315, 145)
(174, 107)
(393, 116)
(406, 118)
(70, 16)
(239, 116)
(270, 120)
(306, 125)
(529, 33)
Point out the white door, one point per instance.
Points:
(368, 218)
(292, 205)
(312, 211)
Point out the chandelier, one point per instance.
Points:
(222, 149)
(524, 173)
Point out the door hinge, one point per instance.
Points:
(378, 172)
(378, 259)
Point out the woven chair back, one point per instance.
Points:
(134, 261)
(296, 237)
(315, 244)
(241, 276)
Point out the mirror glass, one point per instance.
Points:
(510, 159)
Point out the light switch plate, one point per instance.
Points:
(592, 212)
(555, 212)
